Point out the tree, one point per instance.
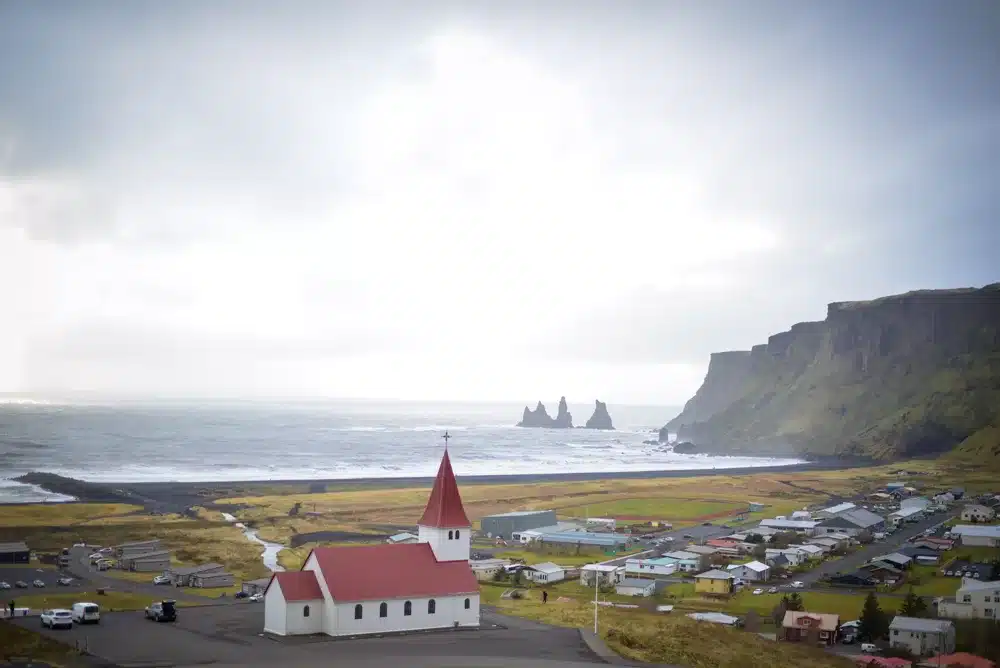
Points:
(872, 622)
(795, 602)
(759, 551)
(754, 538)
(778, 611)
(865, 537)
(913, 605)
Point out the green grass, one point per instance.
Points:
(931, 583)
(19, 642)
(973, 553)
(654, 508)
(847, 606)
(563, 559)
(112, 600)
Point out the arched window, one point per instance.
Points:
(468, 604)
(305, 611)
(407, 609)
(357, 611)
(456, 534)
(451, 535)
(431, 606)
(383, 610)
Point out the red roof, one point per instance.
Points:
(963, 659)
(373, 572)
(869, 661)
(298, 586)
(444, 508)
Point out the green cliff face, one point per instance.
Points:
(901, 376)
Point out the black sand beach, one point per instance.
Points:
(177, 496)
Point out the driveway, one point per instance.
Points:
(857, 559)
(231, 636)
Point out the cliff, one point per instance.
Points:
(601, 419)
(907, 375)
(541, 418)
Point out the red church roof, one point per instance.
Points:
(298, 586)
(375, 572)
(444, 508)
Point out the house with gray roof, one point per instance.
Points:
(922, 636)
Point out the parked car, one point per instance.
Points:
(798, 585)
(772, 590)
(257, 597)
(706, 524)
(758, 592)
(868, 648)
(21, 584)
(241, 594)
(4, 585)
(161, 580)
(38, 583)
(57, 619)
(162, 611)
(86, 613)
(64, 582)
(688, 536)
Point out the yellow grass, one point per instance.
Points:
(656, 638)
(59, 514)
(112, 600)
(16, 641)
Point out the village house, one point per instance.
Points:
(833, 511)
(977, 535)
(687, 562)
(606, 574)
(794, 556)
(487, 569)
(635, 587)
(545, 573)
(505, 525)
(904, 515)
(138, 547)
(882, 572)
(822, 543)
(939, 544)
(973, 600)
(713, 582)
(181, 575)
(922, 636)
(805, 527)
(856, 579)
(14, 553)
(811, 551)
(404, 538)
(753, 571)
(957, 660)
(370, 589)
(900, 561)
(975, 512)
(799, 626)
(211, 580)
(777, 561)
(852, 522)
(146, 562)
(704, 550)
(252, 587)
(872, 661)
(650, 567)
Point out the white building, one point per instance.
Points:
(807, 527)
(972, 534)
(404, 538)
(833, 511)
(974, 599)
(977, 513)
(753, 571)
(605, 574)
(636, 587)
(545, 573)
(487, 569)
(922, 636)
(650, 567)
(911, 514)
(345, 591)
(794, 556)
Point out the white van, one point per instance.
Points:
(86, 613)
(868, 647)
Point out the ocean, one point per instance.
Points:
(151, 441)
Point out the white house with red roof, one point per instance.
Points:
(345, 591)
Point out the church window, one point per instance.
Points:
(468, 604)
(383, 610)
(407, 609)
(305, 611)
(451, 535)
(431, 606)
(357, 611)
(456, 534)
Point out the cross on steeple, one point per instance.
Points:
(446, 437)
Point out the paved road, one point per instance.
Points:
(856, 559)
(230, 636)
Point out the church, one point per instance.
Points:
(347, 591)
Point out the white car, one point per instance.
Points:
(798, 585)
(758, 592)
(161, 580)
(38, 583)
(57, 619)
(257, 597)
(4, 585)
(772, 590)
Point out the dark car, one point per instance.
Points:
(241, 594)
(21, 584)
(162, 611)
(706, 524)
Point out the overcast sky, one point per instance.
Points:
(503, 200)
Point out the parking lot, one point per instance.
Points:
(231, 635)
(50, 576)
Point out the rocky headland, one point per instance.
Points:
(902, 376)
(540, 417)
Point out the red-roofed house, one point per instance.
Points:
(385, 588)
(959, 660)
(871, 661)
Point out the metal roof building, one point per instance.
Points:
(503, 525)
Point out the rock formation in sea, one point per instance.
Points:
(541, 418)
(600, 419)
(901, 376)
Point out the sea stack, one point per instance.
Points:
(540, 418)
(601, 419)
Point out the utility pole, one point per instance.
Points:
(597, 579)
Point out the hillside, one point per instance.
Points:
(908, 375)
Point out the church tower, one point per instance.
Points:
(444, 525)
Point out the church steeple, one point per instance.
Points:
(444, 524)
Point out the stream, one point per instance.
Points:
(270, 554)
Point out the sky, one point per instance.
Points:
(475, 200)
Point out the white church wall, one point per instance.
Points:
(447, 544)
(329, 608)
(448, 611)
(298, 623)
(274, 610)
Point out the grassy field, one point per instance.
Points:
(656, 508)
(18, 642)
(847, 606)
(673, 639)
(59, 514)
(930, 583)
(112, 600)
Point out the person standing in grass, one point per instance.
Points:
(545, 596)
(12, 607)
